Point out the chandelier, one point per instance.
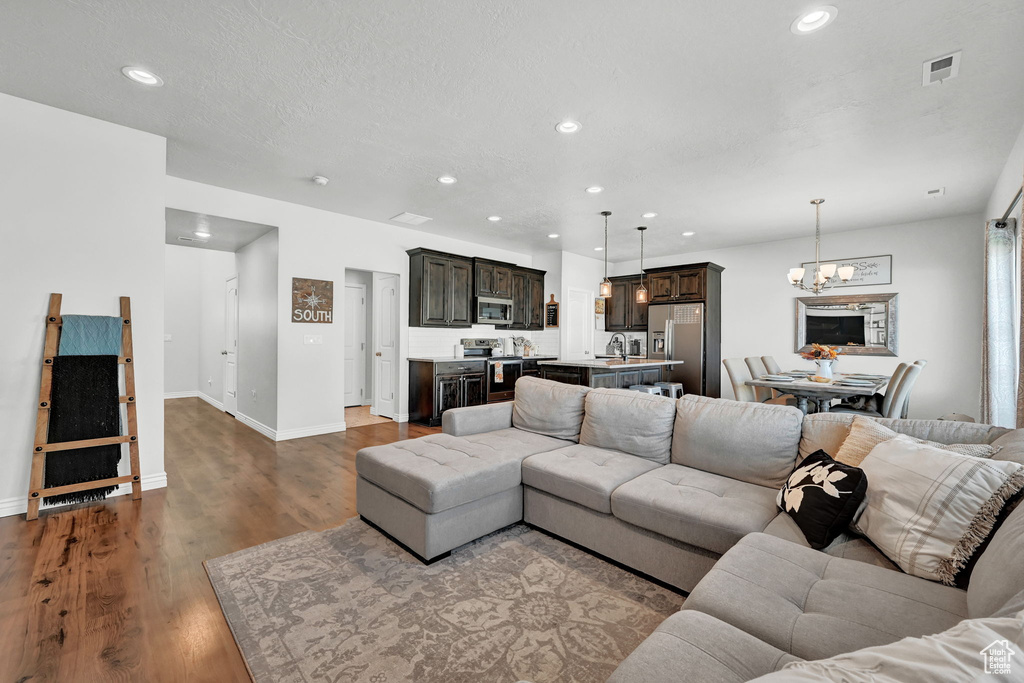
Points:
(823, 274)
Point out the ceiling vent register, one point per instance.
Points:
(941, 69)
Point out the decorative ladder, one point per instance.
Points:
(36, 490)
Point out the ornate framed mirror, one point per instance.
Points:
(860, 324)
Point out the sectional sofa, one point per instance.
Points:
(685, 492)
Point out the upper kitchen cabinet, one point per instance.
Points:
(674, 284)
(527, 299)
(622, 313)
(492, 279)
(440, 289)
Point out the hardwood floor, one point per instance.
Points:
(116, 591)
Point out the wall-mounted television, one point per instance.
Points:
(835, 330)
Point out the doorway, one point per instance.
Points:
(356, 393)
(371, 347)
(230, 351)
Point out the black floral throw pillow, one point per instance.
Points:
(822, 496)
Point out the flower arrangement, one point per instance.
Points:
(821, 352)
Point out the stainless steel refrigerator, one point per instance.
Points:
(677, 332)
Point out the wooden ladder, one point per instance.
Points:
(36, 490)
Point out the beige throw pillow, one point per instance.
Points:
(865, 434)
(928, 509)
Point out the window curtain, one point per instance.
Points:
(1000, 399)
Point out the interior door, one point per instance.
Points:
(230, 351)
(385, 344)
(355, 345)
(579, 324)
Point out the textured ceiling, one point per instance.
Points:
(712, 114)
(226, 234)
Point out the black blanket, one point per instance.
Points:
(83, 405)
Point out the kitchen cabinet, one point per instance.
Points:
(492, 279)
(622, 313)
(440, 289)
(609, 377)
(435, 387)
(527, 299)
(678, 285)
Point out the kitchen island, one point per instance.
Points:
(608, 373)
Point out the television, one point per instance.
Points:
(842, 330)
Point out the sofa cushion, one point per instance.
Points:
(693, 646)
(583, 474)
(959, 653)
(822, 496)
(1011, 446)
(440, 471)
(848, 545)
(550, 408)
(700, 508)
(753, 442)
(812, 605)
(866, 433)
(997, 575)
(828, 431)
(929, 509)
(629, 421)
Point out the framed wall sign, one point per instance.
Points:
(867, 270)
(551, 313)
(312, 300)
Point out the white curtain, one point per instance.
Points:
(999, 348)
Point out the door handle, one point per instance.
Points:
(223, 353)
(377, 354)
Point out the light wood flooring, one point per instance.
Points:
(116, 591)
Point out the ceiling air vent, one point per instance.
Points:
(941, 68)
(410, 219)
(192, 239)
(937, 192)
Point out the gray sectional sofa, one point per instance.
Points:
(685, 492)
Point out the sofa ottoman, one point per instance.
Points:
(438, 492)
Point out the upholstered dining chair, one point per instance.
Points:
(896, 400)
(770, 365)
(739, 374)
(758, 368)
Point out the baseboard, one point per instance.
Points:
(401, 417)
(286, 434)
(19, 505)
(258, 426)
(181, 394)
(212, 401)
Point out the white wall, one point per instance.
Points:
(937, 271)
(321, 244)
(258, 306)
(1009, 181)
(215, 267)
(83, 205)
(181, 321)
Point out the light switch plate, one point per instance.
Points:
(313, 339)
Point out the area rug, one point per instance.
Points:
(348, 604)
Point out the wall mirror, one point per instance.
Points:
(862, 325)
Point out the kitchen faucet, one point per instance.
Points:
(625, 345)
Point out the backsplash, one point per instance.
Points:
(431, 342)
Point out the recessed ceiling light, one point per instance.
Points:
(320, 180)
(649, 214)
(494, 219)
(553, 235)
(201, 233)
(594, 189)
(689, 234)
(814, 20)
(142, 76)
(447, 180)
(568, 126)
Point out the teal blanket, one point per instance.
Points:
(90, 335)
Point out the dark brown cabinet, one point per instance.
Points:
(492, 279)
(440, 289)
(611, 377)
(677, 285)
(435, 387)
(527, 299)
(622, 313)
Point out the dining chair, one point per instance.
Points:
(757, 370)
(897, 393)
(770, 365)
(739, 374)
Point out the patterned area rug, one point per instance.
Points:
(348, 604)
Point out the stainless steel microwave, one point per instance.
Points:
(493, 311)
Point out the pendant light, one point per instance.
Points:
(823, 274)
(641, 292)
(606, 284)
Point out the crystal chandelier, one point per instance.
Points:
(606, 284)
(641, 292)
(823, 274)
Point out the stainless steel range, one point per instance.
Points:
(502, 370)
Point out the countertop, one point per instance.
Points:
(453, 359)
(610, 363)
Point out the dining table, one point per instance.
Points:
(821, 393)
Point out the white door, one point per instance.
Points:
(385, 344)
(355, 344)
(579, 325)
(230, 352)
